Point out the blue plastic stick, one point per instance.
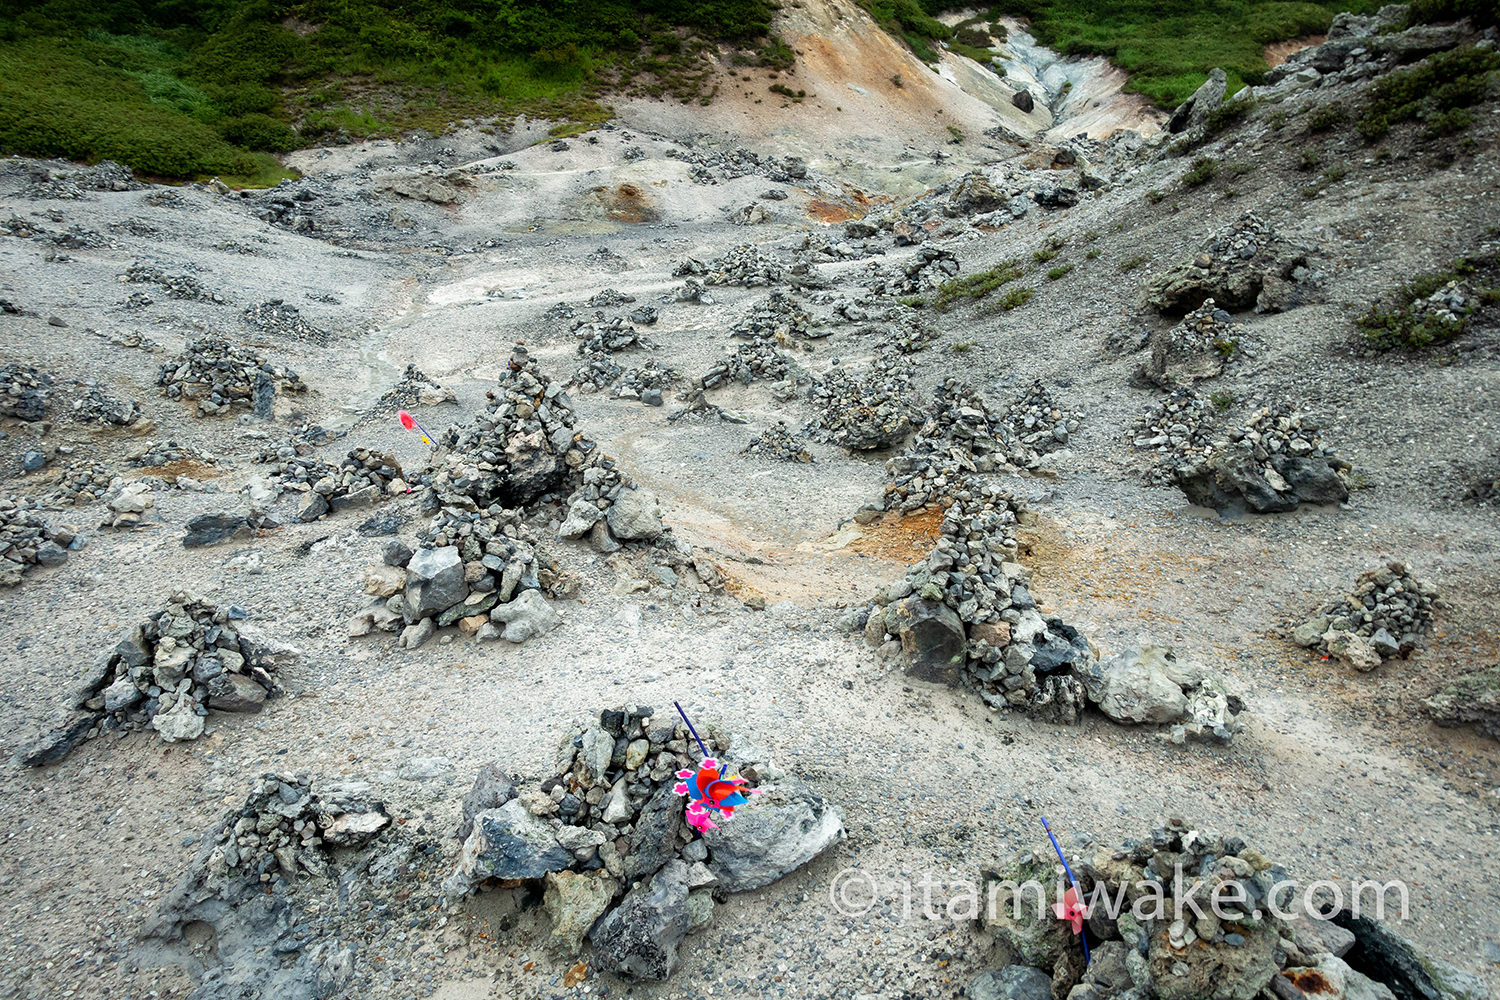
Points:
(701, 747)
(1082, 935)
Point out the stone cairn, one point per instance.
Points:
(24, 392)
(928, 268)
(302, 441)
(778, 318)
(167, 673)
(78, 485)
(961, 435)
(1273, 462)
(606, 837)
(477, 565)
(1195, 350)
(414, 388)
(606, 336)
(741, 265)
(868, 414)
(363, 479)
(29, 537)
(777, 444)
(97, 407)
(177, 286)
(1178, 427)
(757, 361)
(965, 615)
(1156, 943)
(287, 827)
(1039, 422)
(1244, 265)
(220, 375)
(1386, 615)
(283, 320)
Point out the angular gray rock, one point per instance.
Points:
(1471, 700)
(434, 581)
(773, 834)
(638, 939)
(527, 616)
(634, 515)
(1194, 111)
(1014, 982)
(509, 843)
(932, 637)
(1134, 686)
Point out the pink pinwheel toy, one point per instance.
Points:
(1071, 910)
(709, 792)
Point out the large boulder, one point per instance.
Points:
(772, 835)
(1212, 970)
(1194, 111)
(1017, 912)
(932, 637)
(654, 839)
(574, 901)
(634, 514)
(434, 581)
(1135, 686)
(527, 616)
(510, 843)
(973, 195)
(638, 939)
(1471, 700)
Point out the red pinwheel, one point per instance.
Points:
(410, 423)
(708, 789)
(1071, 909)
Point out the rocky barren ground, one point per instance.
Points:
(444, 253)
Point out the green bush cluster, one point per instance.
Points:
(977, 285)
(1439, 89)
(187, 88)
(1398, 323)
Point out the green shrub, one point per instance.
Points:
(1309, 159)
(1398, 323)
(1433, 89)
(976, 286)
(257, 131)
(1327, 117)
(1201, 172)
(1093, 253)
(1015, 298)
(1131, 263)
(1059, 271)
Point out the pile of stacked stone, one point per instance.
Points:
(738, 162)
(866, 414)
(282, 320)
(302, 441)
(286, 827)
(757, 361)
(127, 503)
(1039, 422)
(20, 228)
(1473, 699)
(605, 837)
(646, 382)
(692, 290)
(779, 318)
(166, 673)
(154, 454)
(1179, 426)
(29, 537)
(80, 484)
(24, 392)
(1242, 266)
(177, 286)
(597, 373)
(601, 335)
(1200, 916)
(414, 388)
(778, 444)
(1194, 350)
(965, 615)
(815, 248)
(478, 570)
(697, 408)
(220, 375)
(1273, 462)
(96, 407)
(363, 479)
(741, 265)
(961, 435)
(1385, 615)
(928, 268)
(522, 447)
